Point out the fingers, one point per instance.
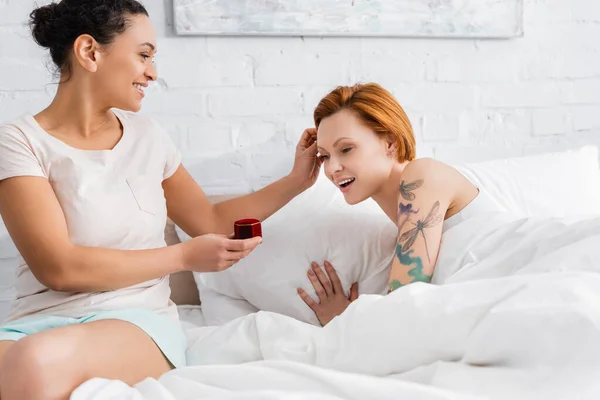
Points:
(333, 278)
(225, 264)
(318, 163)
(242, 244)
(312, 150)
(325, 282)
(310, 134)
(317, 285)
(235, 256)
(308, 300)
(229, 258)
(353, 292)
(234, 250)
(308, 138)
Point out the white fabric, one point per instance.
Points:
(479, 205)
(359, 240)
(515, 318)
(8, 264)
(5, 306)
(110, 198)
(559, 184)
(191, 316)
(318, 225)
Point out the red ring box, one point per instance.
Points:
(247, 228)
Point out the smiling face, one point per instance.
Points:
(362, 135)
(355, 158)
(127, 66)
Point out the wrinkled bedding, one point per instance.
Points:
(514, 313)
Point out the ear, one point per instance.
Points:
(86, 52)
(391, 143)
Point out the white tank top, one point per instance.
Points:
(482, 203)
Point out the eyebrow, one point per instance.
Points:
(334, 143)
(149, 45)
(339, 140)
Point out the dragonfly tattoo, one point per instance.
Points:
(404, 210)
(410, 236)
(407, 188)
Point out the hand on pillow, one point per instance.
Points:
(332, 300)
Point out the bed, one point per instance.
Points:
(514, 312)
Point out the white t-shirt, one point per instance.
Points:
(110, 198)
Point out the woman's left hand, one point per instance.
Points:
(332, 301)
(306, 163)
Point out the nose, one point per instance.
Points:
(151, 72)
(332, 166)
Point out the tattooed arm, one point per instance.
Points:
(424, 199)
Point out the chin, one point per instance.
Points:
(354, 200)
(131, 105)
(135, 107)
(351, 202)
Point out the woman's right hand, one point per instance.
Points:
(214, 253)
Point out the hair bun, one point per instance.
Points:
(57, 26)
(43, 24)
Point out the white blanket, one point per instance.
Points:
(515, 314)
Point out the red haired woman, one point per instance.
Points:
(367, 146)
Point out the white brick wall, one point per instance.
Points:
(236, 106)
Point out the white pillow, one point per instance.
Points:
(316, 226)
(564, 184)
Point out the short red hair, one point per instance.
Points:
(377, 109)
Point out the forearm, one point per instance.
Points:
(260, 204)
(407, 268)
(92, 269)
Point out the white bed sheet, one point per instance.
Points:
(191, 317)
(515, 315)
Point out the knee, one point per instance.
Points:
(33, 368)
(24, 361)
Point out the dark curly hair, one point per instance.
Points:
(56, 26)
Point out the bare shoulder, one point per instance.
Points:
(437, 173)
(430, 175)
(427, 180)
(429, 168)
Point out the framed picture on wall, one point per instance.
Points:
(394, 18)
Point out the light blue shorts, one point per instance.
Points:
(168, 336)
